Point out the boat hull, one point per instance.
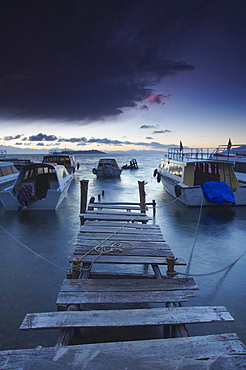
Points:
(51, 202)
(38, 187)
(192, 196)
(113, 173)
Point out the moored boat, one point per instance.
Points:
(8, 174)
(39, 186)
(197, 176)
(63, 158)
(107, 167)
(133, 165)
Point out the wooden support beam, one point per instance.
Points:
(83, 197)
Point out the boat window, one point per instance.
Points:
(173, 168)
(13, 169)
(5, 170)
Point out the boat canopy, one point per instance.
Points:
(218, 192)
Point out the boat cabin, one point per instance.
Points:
(107, 161)
(41, 177)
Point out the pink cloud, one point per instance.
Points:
(158, 98)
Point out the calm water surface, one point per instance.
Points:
(29, 284)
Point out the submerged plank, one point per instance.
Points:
(133, 317)
(212, 351)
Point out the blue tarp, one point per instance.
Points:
(218, 192)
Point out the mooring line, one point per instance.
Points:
(30, 250)
(214, 272)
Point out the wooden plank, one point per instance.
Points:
(108, 212)
(120, 230)
(114, 217)
(113, 206)
(122, 236)
(149, 245)
(127, 285)
(223, 351)
(128, 252)
(120, 275)
(118, 318)
(67, 298)
(128, 225)
(135, 260)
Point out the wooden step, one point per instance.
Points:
(221, 351)
(119, 230)
(77, 291)
(115, 217)
(132, 260)
(118, 318)
(118, 224)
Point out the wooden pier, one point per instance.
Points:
(105, 291)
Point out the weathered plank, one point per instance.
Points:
(127, 285)
(67, 298)
(112, 212)
(115, 217)
(120, 236)
(133, 317)
(149, 245)
(113, 206)
(129, 252)
(135, 260)
(204, 353)
(128, 225)
(119, 230)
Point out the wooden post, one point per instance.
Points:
(142, 196)
(170, 266)
(75, 267)
(83, 198)
(154, 205)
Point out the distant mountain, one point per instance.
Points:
(93, 151)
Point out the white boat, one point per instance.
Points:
(64, 158)
(197, 176)
(39, 186)
(107, 167)
(237, 154)
(8, 174)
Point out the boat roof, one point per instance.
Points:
(194, 155)
(37, 165)
(7, 163)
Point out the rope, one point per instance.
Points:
(30, 250)
(214, 272)
(194, 242)
(104, 249)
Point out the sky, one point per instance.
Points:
(121, 75)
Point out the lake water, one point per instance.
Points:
(30, 284)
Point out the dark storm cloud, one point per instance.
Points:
(7, 138)
(73, 140)
(86, 60)
(147, 126)
(161, 132)
(42, 137)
